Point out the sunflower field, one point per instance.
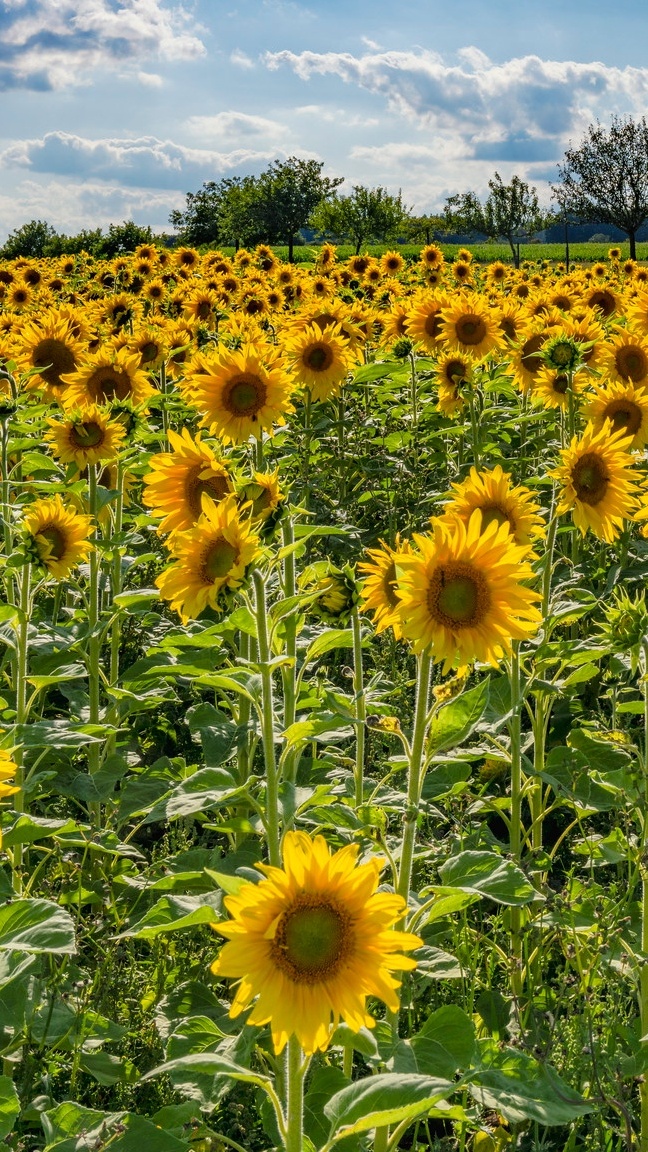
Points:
(324, 704)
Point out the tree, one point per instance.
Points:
(29, 240)
(425, 228)
(290, 190)
(606, 178)
(122, 238)
(199, 222)
(367, 214)
(510, 210)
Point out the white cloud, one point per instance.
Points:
(60, 43)
(234, 125)
(150, 79)
(339, 116)
(522, 97)
(71, 206)
(241, 59)
(144, 162)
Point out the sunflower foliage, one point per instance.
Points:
(324, 704)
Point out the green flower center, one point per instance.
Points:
(219, 559)
(496, 514)
(458, 595)
(312, 939)
(245, 395)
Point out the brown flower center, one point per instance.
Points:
(631, 363)
(531, 361)
(312, 939)
(107, 383)
(603, 300)
(590, 479)
(218, 559)
(432, 325)
(149, 351)
(470, 329)
(318, 357)
(56, 539)
(458, 595)
(623, 414)
(87, 435)
(244, 395)
(195, 484)
(54, 359)
(455, 370)
(560, 383)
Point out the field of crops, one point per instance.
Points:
(324, 704)
(486, 253)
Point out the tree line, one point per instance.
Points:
(604, 179)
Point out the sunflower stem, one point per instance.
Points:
(22, 660)
(289, 672)
(341, 431)
(116, 583)
(295, 1096)
(360, 708)
(516, 812)
(643, 979)
(94, 640)
(308, 432)
(259, 461)
(6, 512)
(474, 428)
(414, 391)
(415, 773)
(267, 722)
(165, 413)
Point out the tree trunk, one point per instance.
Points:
(516, 252)
(358, 246)
(633, 245)
(291, 242)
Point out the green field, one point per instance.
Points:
(484, 253)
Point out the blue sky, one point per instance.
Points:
(113, 109)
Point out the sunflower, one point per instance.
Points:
(246, 393)
(462, 592)
(500, 501)
(379, 588)
(469, 326)
(149, 344)
(319, 360)
(19, 297)
(312, 941)
(155, 291)
(453, 370)
(201, 305)
(207, 558)
(637, 314)
(462, 272)
(551, 387)
(392, 263)
(261, 497)
(496, 273)
(431, 256)
(87, 436)
(624, 359)
(8, 769)
(603, 299)
(109, 374)
(625, 407)
(58, 535)
(395, 322)
(526, 358)
(599, 481)
(424, 320)
(175, 485)
(511, 318)
(50, 346)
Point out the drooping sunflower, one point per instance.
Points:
(625, 407)
(462, 593)
(624, 358)
(51, 346)
(551, 387)
(469, 326)
(175, 485)
(319, 359)
(312, 941)
(110, 374)
(87, 436)
(207, 558)
(453, 372)
(57, 535)
(498, 500)
(261, 497)
(247, 392)
(599, 482)
(379, 589)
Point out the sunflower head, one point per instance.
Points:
(56, 537)
(262, 499)
(599, 482)
(562, 353)
(335, 590)
(87, 436)
(624, 627)
(379, 588)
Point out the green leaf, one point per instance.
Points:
(9, 1106)
(327, 641)
(108, 1069)
(59, 734)
(140, 600)
(174, 914)
(209, 1063)
(523, 1089)
(373, 371)
(71, 1127)
(323, 1084)
(455, 721)
(29, 829)
(445, 1043)
(489, 875)
(602, 755)
(68, 672)
(376, 1101)
(206, 789)
(217, 732)
(36, 926)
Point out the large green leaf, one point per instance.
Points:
(217, 732)
(9, 1106)
(174, 914)
(455, 721)
(376, 1101)
(489, 875)
(36, 926)
(70, 1127)
(523, 1089)
(445, 1043)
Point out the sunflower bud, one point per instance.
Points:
(625, 626)
(337, 592)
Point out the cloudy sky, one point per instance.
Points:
(113, 109)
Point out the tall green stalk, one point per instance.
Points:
(516, 811)
(94, 642)
(415, 774)
(20, 684)
(295, 1097)
(289, 671)
(267, 722)
(360, 708)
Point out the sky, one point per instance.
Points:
(115, 109)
